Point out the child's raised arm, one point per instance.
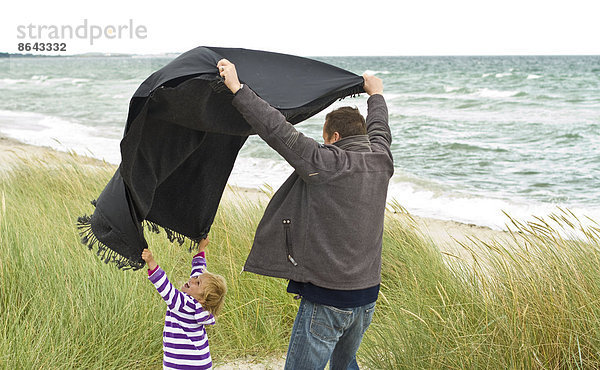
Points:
(202, 245)
(175, 300)
(149, 258)
(199, 260)
(167, 291)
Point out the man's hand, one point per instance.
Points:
(373, 85)
(147, 256)
(202, 245)
(228, 72)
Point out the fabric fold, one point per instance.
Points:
(181, 140)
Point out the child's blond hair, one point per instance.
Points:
(213, 296)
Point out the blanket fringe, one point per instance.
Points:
(352, 92)
(106, 254)
(218, 85)
(152, 227)
(173, 236)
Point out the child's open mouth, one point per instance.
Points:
(187, 285)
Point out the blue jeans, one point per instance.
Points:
(324, 333)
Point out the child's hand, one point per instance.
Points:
(149, 258)
(202, 245)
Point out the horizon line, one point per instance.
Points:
(119, 54)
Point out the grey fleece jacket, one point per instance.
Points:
(325, 224)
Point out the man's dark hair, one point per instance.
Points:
(347, 121)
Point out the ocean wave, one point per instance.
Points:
(526, 172)
(420, 196)
(249, 172)
(491, 93)
(568, 138)
(62, 134)
(471, 147)
(12, 83)
(453, 105)
(392, 96)
(541, 185)
(36, 80)
(498, 75)
(427, 98)
(45, 80)
(546, 97)
(483, 210)
(470, 104)
(370, 72)
(456, 89)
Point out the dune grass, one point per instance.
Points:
(535, 304)
(532, 304)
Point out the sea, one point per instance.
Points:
(474, 137)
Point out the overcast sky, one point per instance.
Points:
(309, 28)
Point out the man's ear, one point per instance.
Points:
(335, 137)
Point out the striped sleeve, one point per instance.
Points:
(176, 301)
(198, 264)
(183, 307)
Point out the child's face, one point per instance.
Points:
(194, 286)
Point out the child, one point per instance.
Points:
(185, 344)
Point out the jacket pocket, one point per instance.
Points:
(288, 240)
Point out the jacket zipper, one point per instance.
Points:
(288, 240)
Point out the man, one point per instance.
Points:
(323, 228)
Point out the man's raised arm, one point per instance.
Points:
(301, 152)
(378, 128)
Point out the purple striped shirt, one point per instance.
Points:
(185, 343)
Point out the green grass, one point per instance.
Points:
(535, 304)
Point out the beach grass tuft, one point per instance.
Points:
(533, 303)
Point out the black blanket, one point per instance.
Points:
(182, 138)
